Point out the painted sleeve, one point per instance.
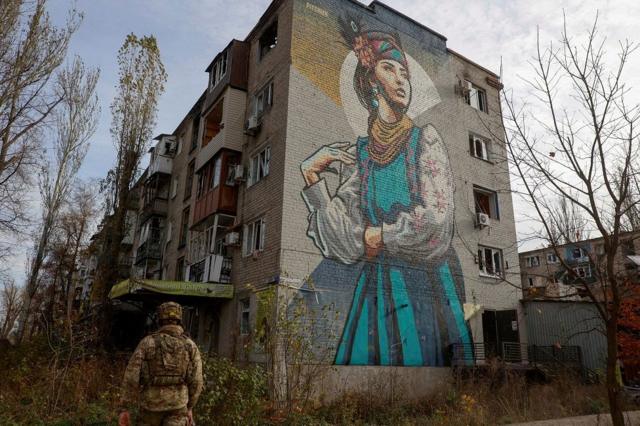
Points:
(131, 380)
(427, 229)
(195, 381)
(335, 223)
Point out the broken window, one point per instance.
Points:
(259, 166)
(268, 39)
(490, 262)
(475, 97)
(478, 147)
(486, 201)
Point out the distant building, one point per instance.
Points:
(543, 275)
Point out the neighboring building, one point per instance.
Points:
(558, 310)
(287, 163)
(543, 275)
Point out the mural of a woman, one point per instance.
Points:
(391, 217)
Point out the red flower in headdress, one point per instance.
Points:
(364, 52)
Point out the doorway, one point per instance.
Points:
(499, 327)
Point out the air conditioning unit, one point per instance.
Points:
(482, 220)
(232, 239)
(252, 126)
(238, 173)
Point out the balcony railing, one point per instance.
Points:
(151, 248)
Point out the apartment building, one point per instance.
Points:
(544, 276)
(342, 154)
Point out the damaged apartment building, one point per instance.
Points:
(341, 153)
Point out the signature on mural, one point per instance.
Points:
(391, 215)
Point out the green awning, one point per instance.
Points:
(176, 288)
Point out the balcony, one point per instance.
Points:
(151, 249)
(160, 164)
(212, 269)
(154, 207)
(221, 198)
(210, 148)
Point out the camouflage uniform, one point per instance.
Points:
(165, 371)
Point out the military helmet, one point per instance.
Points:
(169, 311)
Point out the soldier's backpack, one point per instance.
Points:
(169, 363)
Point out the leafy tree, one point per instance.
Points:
(142, 78)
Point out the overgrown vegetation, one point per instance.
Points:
(47, 383)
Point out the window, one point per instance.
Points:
(195, 129)
(531, 282)
(478, 147)
(532, 261)
(174, 186)
(268, 39)
(490, 262)
(201, 183)
(552, 258)
(254, 237)
(245, 311)
(578, 253)
(180, 269)
(262, 100)
(486, 201)
(184, 228)
(189, 184)
(217, 170)
(218, 70)
(259, 166)
(231, 175)
(583, 271)
(475, 96)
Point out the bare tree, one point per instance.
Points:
(75, 123)
(566, 223)
(10, 306)
(576, 139)
(31, 50)
(142, 78)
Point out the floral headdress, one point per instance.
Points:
(371, 46)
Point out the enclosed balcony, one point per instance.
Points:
(217, 188)
(222, 125)
(162, 153)
(212, 269)
(155, 197)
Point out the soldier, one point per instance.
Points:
(164, 374)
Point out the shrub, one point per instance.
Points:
(232, 395)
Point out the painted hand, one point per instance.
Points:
(372, 241)
(190, 417)
(322, 158)
(124, 419)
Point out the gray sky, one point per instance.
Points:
(191, 32)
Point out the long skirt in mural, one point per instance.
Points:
(404, 312)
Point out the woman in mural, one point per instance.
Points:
(391, 217)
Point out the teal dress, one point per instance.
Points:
(405, 310)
